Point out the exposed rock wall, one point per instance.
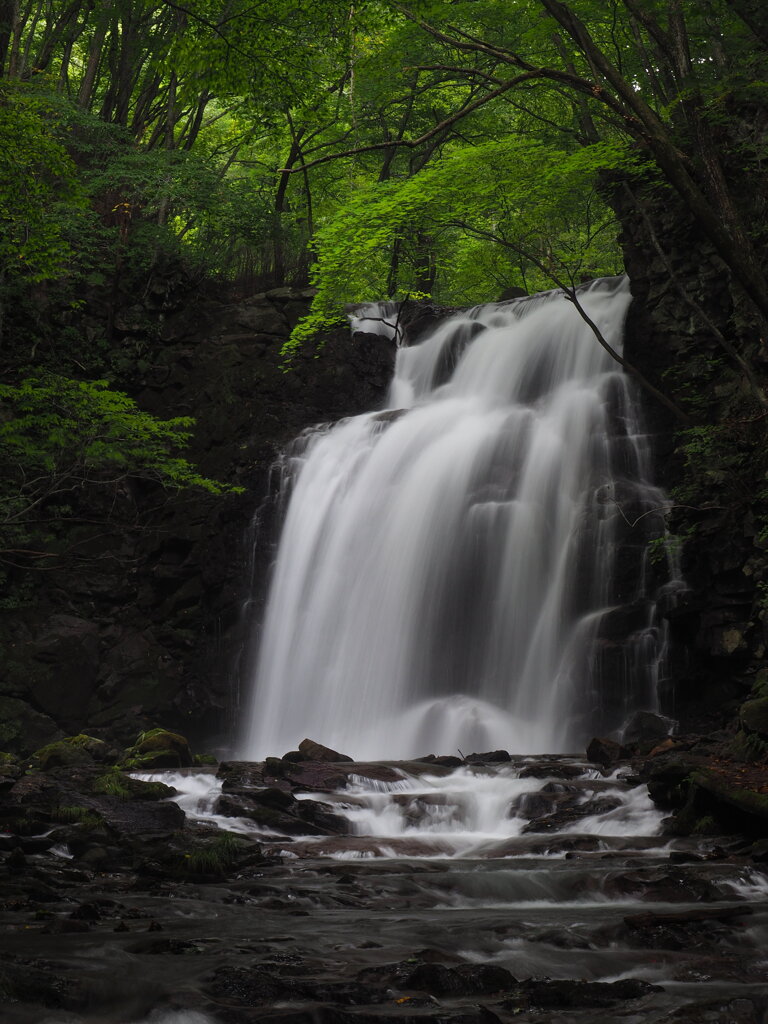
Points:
(686, 313)
(145, 626)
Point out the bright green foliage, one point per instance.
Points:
(77, 431)
(58, 436)
(537, 205)
(39, 197)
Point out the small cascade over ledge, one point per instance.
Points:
(470, 567)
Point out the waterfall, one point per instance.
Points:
(469, 569)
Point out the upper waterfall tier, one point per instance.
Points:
(468, 568)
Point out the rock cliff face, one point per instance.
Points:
(687, 327)
(144, 627)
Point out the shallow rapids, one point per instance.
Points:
(484, 811)
(544, 867)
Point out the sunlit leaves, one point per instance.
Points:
(539, 205)
(57, 433)
(38, 190)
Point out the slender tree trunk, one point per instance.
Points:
(193, 130)
(25, 57)
(280, 206)
(88, 83)
(56, 33)
(9, 14)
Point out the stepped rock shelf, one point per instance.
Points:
(493, 888)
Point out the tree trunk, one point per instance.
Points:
(9, 13)
(88, 84)
(719, 219)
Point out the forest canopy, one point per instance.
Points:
(375, 149)
(378, 148)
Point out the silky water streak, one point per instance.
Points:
(469, 568)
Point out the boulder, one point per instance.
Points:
(159, 748)
(317, 752)
(568, 994)
(604, 751)
(754, 716)
(22, 728)
(668, 783)
(490, 757)
(646, 730)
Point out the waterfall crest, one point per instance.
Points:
(468, 568)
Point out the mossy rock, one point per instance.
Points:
(73, 750)
(58, 755)
(733, 806)
(215, 858)
(118, 783)
(760, 686)
(204, 759)
(159, 748)
(748, 746)
(754, 716)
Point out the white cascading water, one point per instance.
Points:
(467, 569)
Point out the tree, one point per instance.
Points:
(60, 439)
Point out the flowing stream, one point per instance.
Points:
(545, 867)
(468, 568)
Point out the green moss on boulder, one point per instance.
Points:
(159, 748)
(116, 782)
(754, 716)
(72, 750)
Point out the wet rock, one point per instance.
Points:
(645, 730)
(491, 757)
(160, 748)
(86, 912)
(604, 751)
(668, 783)
(731, 805)
(570, 811)
(725, 1011)
(665, 887)
(754, 716)
(238, 776)
(317, 752)
(550, 769)
(40, 983)
(252, 986)
(464, 980)
(322, 817)
(285, 821)
(438, 979)
(73, 750)
(664, 747)
(576, 994)
(691, 929)
(271, 797)
(314, 776)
